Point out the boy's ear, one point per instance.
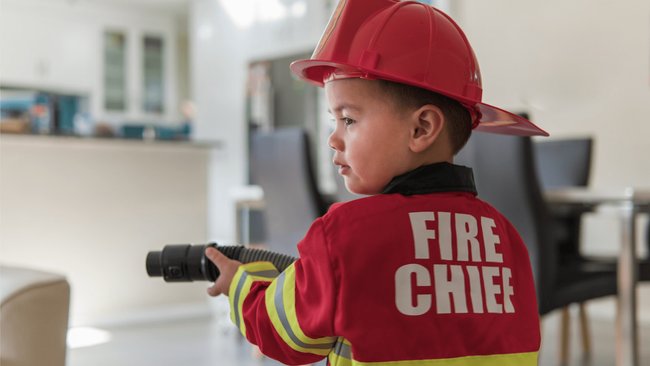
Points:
(428, 124)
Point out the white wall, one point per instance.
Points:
(57, 45)
(580, 67)
(224, 37)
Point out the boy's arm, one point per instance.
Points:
(289, 315)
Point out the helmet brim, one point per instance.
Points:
(496, 120)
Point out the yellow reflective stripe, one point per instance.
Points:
(281, 307)
(241, 284)
(338, 358)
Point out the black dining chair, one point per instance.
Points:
(280, 163)
(566, 163)
(506, 177)
(644, 264)
(563, 162)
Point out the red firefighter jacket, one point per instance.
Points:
(424, 274)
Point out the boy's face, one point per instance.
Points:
(371, 135)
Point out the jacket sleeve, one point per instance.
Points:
(289, 315)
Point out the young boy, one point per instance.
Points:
(421, 271)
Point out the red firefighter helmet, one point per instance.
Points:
(410, 43)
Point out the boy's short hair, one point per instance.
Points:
(407, 96)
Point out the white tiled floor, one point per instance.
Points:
(204, 342)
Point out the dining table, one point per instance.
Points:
(626, 203)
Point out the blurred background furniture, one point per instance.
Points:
(506, 177)
(281, 164)
(644, 264)
(249, 215)
(561, 164)
(625, 204)
(33, 317)
(566, 163)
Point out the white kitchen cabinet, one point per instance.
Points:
(150, 77)
(138, 80)
(44, 52)
(58, 46)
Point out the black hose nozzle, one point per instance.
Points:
(186, 262)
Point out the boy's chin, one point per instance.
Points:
(360, 190)
(351, 187)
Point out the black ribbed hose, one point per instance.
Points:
(186, 262)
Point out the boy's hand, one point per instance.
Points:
(227, 268)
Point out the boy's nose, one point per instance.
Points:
(334, 142)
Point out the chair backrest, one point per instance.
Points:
(281, 164)
(564, 162)
(504, 170)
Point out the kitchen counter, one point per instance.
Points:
(92, 209)
(100, 141)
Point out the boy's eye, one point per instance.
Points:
(347, 121)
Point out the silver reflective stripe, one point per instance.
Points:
(343, 350)
(240, 285)
(271, 273)
(282, 315)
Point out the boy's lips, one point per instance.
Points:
(342, 167)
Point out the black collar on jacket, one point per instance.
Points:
(437, 177)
